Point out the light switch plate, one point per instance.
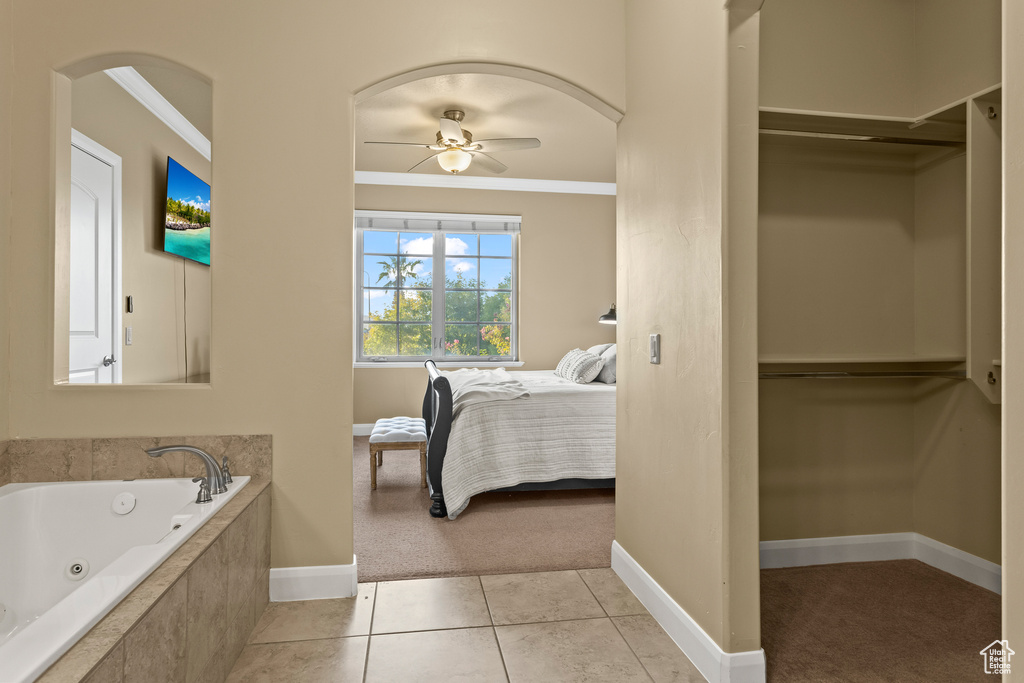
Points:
(128, 336)
(655, 349)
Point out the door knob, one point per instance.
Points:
(108, 361)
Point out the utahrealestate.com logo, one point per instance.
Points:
(997, 657)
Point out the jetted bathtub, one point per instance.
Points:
(70, 551)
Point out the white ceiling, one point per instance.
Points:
(577, 143)
(192, 97)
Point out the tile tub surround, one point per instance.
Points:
(5, 464)
(45, 460)
(188, 621)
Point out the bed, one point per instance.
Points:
(559, 436)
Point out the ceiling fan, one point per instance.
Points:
(455, 149)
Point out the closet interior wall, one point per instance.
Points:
(880, 256)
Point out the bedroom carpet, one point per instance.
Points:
(875, 621)
(499, 533)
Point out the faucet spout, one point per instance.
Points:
(213, 474)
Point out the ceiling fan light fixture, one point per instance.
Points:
(454, 160)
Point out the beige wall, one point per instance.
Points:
(834, 55)
(157, 281)
(956, 467)
(1013, 325)
(957, 50)
(837, 457)
(836, 272)
(567, 246)
(882, 57)
(6, 78)
(283, 78)
(683, 496)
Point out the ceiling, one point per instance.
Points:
(577, 143)
(192, 97)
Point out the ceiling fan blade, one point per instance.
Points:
(451, 130)
(506, 144)
(421, 163)
(489, 163)
(408, 144)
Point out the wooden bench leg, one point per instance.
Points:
(380, 458)
(423, 465)
(373, 468)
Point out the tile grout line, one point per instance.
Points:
(494, 629)
(615, 626)
(631, 650)
(596, 599)
(369, 630)
(429, 630)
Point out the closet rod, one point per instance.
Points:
(860, 138)
(922, 374)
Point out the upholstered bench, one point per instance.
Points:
(398, 434)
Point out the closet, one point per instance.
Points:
(879, 267)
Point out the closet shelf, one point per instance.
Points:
(945, 130)
(871, 374)
(842, 360)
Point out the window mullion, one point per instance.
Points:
(437, 309)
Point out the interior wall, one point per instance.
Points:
(956, 467)
(670, 247)
(838, 56)
(6, 79)
(956, 50)
(566, 280)
(836, 272)
(1013, 323)
(837, 457)
(940, 258)
(283, 78)
(157, 281)
(877, 57)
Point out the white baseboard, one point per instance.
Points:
(362, 429)
(958, 563)
(716, 665)
(803, 552)
(314, 583)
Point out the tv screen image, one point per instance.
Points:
(187, 226)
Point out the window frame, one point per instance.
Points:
(445, 226)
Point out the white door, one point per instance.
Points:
(95, 264)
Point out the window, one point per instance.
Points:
(439, 286)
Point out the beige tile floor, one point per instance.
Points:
(582, 626)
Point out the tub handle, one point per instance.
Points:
(204, 490)
(224, 471)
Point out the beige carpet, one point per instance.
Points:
(875, 621)
(499, 533)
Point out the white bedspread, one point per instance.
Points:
(560, 430)
(470, 385)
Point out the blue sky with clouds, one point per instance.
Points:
(184, 186)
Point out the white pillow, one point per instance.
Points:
(607, 374)
(579, 366)
(566, 359)
(598, 349)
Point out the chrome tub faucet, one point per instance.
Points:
(214, 478)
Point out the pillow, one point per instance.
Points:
(607, 374)
(598, 349)
(579, 366)
(566, 359)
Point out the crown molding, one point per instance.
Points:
(481, 183)
(148, 96)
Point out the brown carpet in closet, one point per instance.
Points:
(499, 533)
(875, 621)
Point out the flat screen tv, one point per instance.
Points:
(187, 225)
